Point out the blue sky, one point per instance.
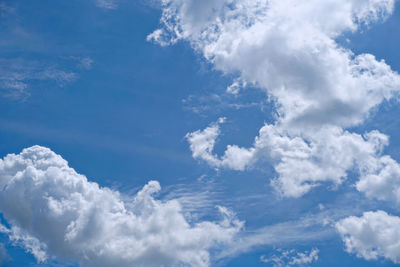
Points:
(87, 80)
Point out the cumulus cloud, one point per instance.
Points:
(55, 212)
(381, 179)
(307, 160)
(371, 236)
(288, 49)
(291, 258)
(202, 145)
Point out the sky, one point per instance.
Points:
(199, 133)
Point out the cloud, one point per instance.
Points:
(304, 162)
(107, 4)
(85, 63)
(308, 228)
(371, 236)
(202, 144)
(5, 9)
(203, 105)
(17, 75)
(291, 258)
(288, 49)
(54, 211)
(381, 179)
(3, 254)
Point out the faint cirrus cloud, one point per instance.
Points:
(18, 75)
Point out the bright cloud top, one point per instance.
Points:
(54, 211)
(373, 235)
(288, 48)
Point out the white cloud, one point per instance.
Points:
(85, 63)
(202, 145)
(291, 258)
(371, 236)
(106, 4)
(54, 211)
(288, 48)
(16, 76)
(305, 161)
(202, 142)
(381, 179)
(236, 86)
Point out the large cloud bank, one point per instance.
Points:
(320, 89)
(288, 48)
(54, 211)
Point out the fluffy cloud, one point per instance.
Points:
(373, 235)
(54, 211)
(288, 48)
(202, 145)
(305, 161)
(381, 179)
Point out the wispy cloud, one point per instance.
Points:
(106, 4)
(85, 62)
(213, 102)
(4, 257)
(198, 199)
(310, 228)
(5, 9)
(18, 75)
(306, 229)
(291, 257)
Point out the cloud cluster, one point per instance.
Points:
(307, 160)
(319, 88)
(373, 235)
(54, 211)
(288, 48)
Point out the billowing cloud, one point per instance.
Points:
(305, 161)
(288, 48)
(371, 236)
(319, 88)
(54, 211)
